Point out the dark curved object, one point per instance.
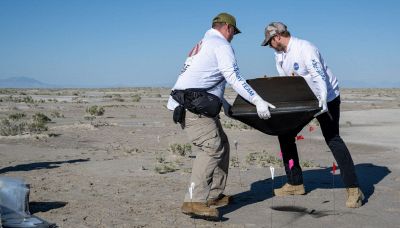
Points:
(295, 105)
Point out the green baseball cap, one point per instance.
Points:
(227, 18)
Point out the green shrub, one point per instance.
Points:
(234, 162)
(165, 168)
(136, 98)
(17, 125)
(11, 128)
(119, 99)
(16, 116)
(180, 149)
(24, 99)
(95, 110)
(234, 124)
(308, 164)
(40, 118)
(262, 159)
(56, 114)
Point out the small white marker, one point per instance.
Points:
(272, 169)
(191, 190)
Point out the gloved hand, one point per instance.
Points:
(262, 107)
(322, 104)
(227, 108)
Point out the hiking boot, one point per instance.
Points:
(289, 189)
(354, 197)
(221, 201)
(200, 210)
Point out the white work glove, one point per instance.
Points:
(262, 107)
(322, 104)
(227, 107)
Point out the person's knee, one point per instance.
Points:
(215, 146)
(336, 143)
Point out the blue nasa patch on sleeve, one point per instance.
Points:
(295, 66)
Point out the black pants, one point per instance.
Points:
(330, 130)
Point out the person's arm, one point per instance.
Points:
(227, 107)
(229, 69)
(315, 68)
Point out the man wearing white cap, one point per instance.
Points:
(207, 69)
(296, 57)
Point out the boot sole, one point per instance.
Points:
(220, 204)
(202, 216)
(290, 194)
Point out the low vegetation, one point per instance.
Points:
(95, 110)
(56, 114)
(136, 98)
(180, 149)
(234, 124)
(20, 124)
(262, 159)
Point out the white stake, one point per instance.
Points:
(272, 169)
(191, 187)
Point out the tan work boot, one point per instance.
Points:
(200, 210)
(289, 189)
(354, 197)
(221, 201)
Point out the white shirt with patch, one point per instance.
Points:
(212, 60)
(302, 58)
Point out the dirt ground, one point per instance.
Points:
(130, 166)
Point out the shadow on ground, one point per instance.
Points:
(368, 176)
(35, 207)
(39, 165)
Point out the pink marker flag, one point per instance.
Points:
(311, 128)
(299, 137)
(280, 154)
(291, 164)
(334, 168)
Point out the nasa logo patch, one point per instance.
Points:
(295, 66)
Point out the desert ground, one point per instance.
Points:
(114, 158)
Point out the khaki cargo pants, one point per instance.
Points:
(210, 167)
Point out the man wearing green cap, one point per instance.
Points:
(209, 66)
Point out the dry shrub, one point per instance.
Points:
(56, 114)
(165, 168)
(136, 98)
(19, 125)
(234, 124)
(180, 149)
(95, 110)
(262, 159)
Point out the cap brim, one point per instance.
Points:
(237, 31)
(265, 42)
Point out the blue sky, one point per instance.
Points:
(144, 43)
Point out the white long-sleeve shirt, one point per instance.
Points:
(210, 61)
(302, 58)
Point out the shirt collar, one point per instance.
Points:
(290, 44)
(214, 32)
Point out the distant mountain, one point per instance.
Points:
(23, 82)
(363, 84)
(26, 82)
